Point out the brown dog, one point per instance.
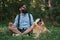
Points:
(39, 27)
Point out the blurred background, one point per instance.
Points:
(48, 10)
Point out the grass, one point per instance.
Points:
(5, 34)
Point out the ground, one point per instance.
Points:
(5, 34)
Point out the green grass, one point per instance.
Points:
(5, 34)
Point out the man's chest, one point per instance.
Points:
(24, 19)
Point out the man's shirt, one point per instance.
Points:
(24, 21)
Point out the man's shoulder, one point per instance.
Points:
(29, 13)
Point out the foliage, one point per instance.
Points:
(38, 8)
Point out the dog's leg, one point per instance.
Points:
(37, 35)
(47, 30)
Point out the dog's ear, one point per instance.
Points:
(40, 20)
(34, 24)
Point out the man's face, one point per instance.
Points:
(23, 8)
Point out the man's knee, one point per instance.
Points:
(12, 28)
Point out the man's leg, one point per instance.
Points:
(14, 30)
(28, 30)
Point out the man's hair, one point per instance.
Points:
(20, 5)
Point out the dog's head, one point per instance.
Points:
(38, 21)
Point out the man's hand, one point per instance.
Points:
(28, 30)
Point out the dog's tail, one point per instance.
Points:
(49, 31)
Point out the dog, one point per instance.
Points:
(39, 27)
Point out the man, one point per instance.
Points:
(24, 21)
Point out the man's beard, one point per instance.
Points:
(24, 11)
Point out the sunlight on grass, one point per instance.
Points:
(1, 29)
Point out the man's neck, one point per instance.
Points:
(22, 14)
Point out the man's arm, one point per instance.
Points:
(28, 30)
(31, 27)
(13, 27)
(16, 21)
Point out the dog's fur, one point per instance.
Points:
(39, 27)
